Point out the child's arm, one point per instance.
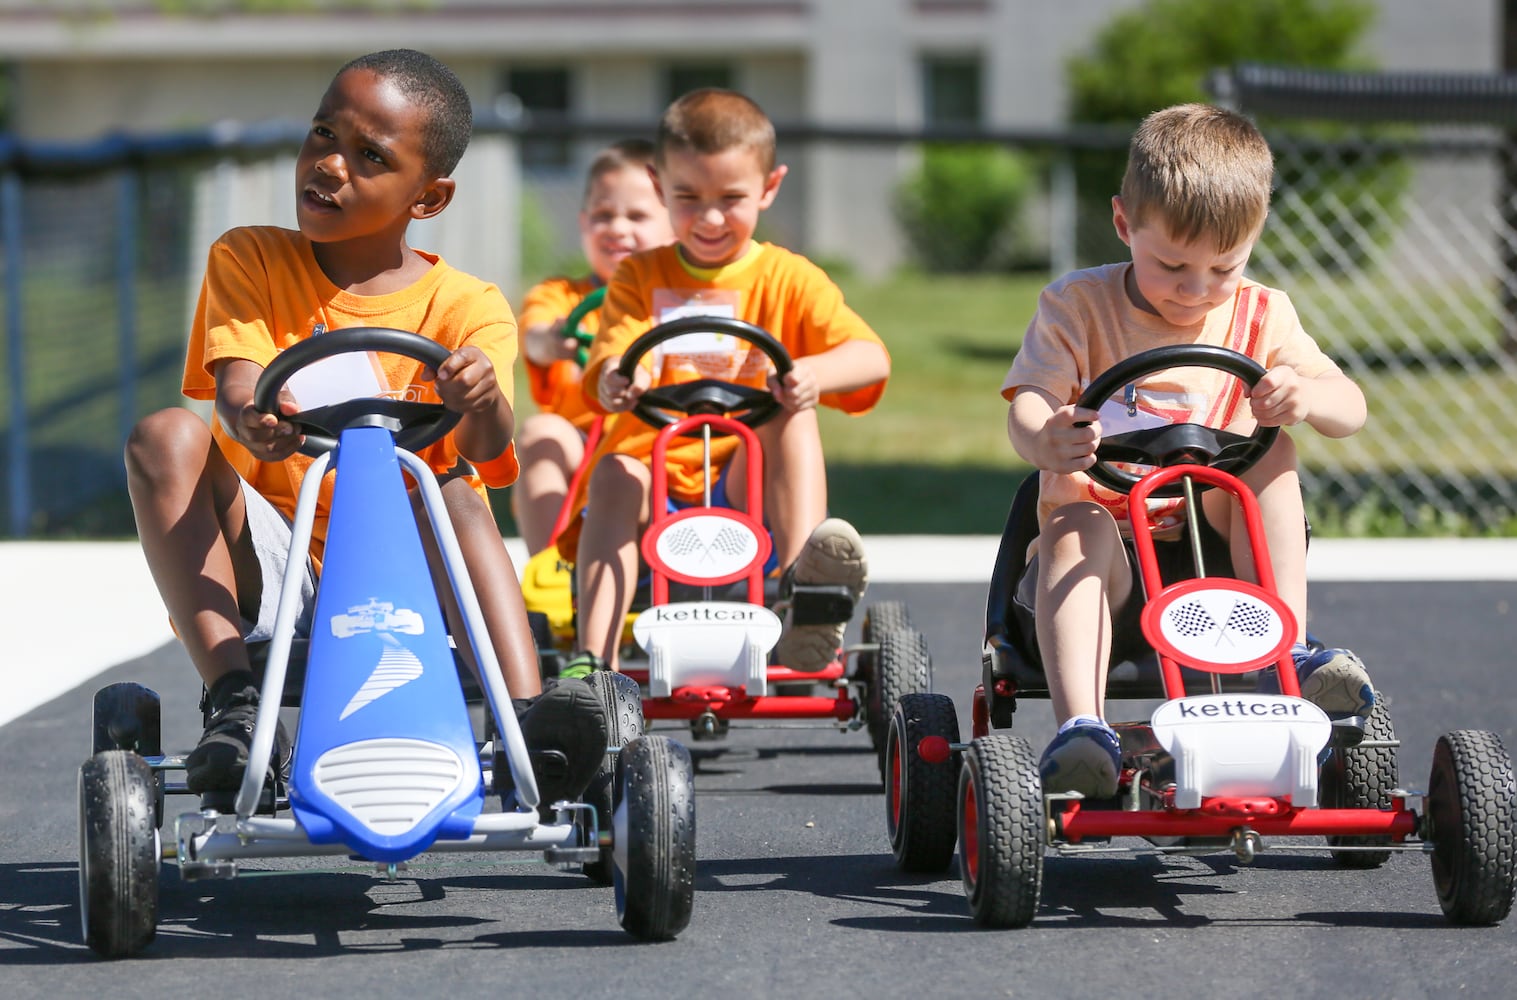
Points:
(1331, 404)
(853, 364)
(1057, 437)
(265, 436)
(466, 383)
(545, 343)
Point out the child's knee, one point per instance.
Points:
(1082, 530)
(168, 440)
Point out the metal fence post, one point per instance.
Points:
(19, 475)
(126, 299)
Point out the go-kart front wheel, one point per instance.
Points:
(118, 853)
(654, 839)
(1001, 832)
(1362, 777)
(623, 700)
(900, 666)
(921, 776)
(1472, 810)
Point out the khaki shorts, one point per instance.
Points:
(270, 532)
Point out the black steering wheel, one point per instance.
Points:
(416, 425)
(1174, 444)
(662, 405)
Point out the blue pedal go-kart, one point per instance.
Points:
(1220, 765)
(386, 764)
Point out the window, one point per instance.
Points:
(544, 93)
(952, 91)
(681, 78)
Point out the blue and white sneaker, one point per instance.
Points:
(1085, 758)
(1334, 680)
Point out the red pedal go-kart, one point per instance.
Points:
(1218, 771)
(700, 637)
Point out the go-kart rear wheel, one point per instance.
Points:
(128, 716)
(1362, 777)
(624, 723)
(118, 853)
(920, 782)
(1472, 812)
(901, 667)
(1001, 832)
(654, 839)
(885, 616)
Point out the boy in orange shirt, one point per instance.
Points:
(213, 503)
(1193, 204)
(715, 169)
(620, 215)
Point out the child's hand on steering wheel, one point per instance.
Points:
(267, 437)
(1279, 398)
(465, 382)
(798, 389)
(1070, 439)
(615, 391)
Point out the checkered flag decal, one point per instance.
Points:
(1191, 619)
(1250, 619)
(730, 541)
(683, 541)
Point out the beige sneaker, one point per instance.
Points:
(833, 556)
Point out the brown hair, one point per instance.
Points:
(713, 120)
(1203, 171)
(624, 154)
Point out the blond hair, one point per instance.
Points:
(1203, 171)
(625, 154)
(713, 120)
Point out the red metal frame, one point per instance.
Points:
(694, 701)
(1148, 562)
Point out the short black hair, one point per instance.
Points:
(438, 91)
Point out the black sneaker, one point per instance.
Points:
(230, 709)
(565, 731)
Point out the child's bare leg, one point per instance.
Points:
(1083, 580)
(1277, 485)
(192, 522)
(795, 481)
(550, 449)
(495, 587)
(608, 558)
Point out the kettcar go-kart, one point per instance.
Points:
(1211, 772)
(702, 630)
(385, 765)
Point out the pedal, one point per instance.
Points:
(552, 765)
(1348, 731)
(820, 604)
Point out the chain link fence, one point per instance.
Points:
(1396, 246)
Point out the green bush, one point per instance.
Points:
(1161, 52)
(961, 210)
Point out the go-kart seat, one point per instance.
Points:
(1011, 665)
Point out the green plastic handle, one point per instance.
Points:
(587, 305)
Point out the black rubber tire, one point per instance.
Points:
(1001, 831)
(1362, 777)
(884, 616)
(118, 853)
(655, 839)
(919, 794)
(902, 666)
(128, 716)
(1472, 814)
(624, 723)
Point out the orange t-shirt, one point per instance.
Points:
(556, 388)
(263, 291)
(1086, 323)
(770, 287)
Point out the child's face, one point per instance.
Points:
(361, 171)
(714, 201)
(1180, 282)
(622, 215)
